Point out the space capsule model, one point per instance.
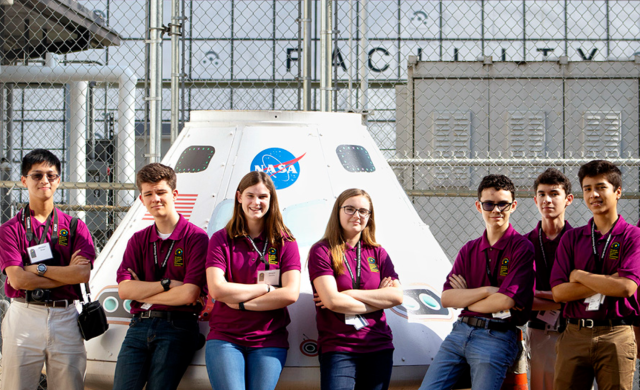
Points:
(312, 157)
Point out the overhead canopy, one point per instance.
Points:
(31, 28)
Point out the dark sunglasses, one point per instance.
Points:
(502, 206)
(38, 176)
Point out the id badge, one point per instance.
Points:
(550, 317)
(357, 321)
(39, 253)
(594, 301)
(271, 277)
(502, 314)
(146, 306)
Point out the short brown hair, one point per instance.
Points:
(553, 177)
(499, 182)
(154, 173)
(601, 167)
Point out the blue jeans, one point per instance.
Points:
(234, 367)
(489, 354)
(156, 352)
(349, 371)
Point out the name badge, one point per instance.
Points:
(502, 314)
(271, 277)
(594, 302)
(40, 253)
(357, 321)
(146, 306)
(549, 316)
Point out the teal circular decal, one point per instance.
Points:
(429, 302)
(280, 164)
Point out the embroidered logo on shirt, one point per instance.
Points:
(614, 252)
(273, 256)
(372, 264)
(178, 259)
(63, 237)
(504, 267)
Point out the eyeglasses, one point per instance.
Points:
(350, 210)
(502, 206)
(39, 175)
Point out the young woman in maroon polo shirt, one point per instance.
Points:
(253, 274)
(354, 280)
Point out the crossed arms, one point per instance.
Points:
(27, 278)
(484, 299)
(388, 294)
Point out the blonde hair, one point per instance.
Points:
(333, 235)
(274, 227)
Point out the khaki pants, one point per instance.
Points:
(34, 335)
(541, 348)
(606, 353)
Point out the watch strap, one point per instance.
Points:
(241, 306)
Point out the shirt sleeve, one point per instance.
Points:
(319, 262)
(290, 257)
(561, 269)
(10, 254)
(217, 251)
(458, 268)
(195, 272)
(129, 261)
(84, 242)
(519, 282)
(386, 265)
(630, 265)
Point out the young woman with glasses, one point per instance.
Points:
(353, 280)
(253, 274)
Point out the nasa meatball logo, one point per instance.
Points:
(280, 164)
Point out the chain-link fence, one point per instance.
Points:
(452, 90)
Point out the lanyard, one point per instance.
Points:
(492, 276)
(29, 230)
(544, 255)
(600, 258)
(160, 270)
(263, 254)
(355, 281)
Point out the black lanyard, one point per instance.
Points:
(160, 270)
(263, 254)
(492, 276)
(600, 258)
(355, 281)
(544, 255)
(26, 221)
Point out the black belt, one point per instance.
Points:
(589, 323)
(167, 315)
(544, 326)
(64, 303)
(486, 323)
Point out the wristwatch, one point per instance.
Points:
(42, 268)
(166, 284)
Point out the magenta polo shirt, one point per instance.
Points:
(511, 260)
(185, 262)
(13, 248)
(333, 334)
(622, 256)
(239, 261)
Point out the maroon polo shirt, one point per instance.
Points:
(511, 260)
(185, 261)
(622, 256)
(239, 261)
(14, 244)
(333, 334)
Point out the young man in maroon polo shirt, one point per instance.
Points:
(552, 196)
(596, 273)
(163, 273)
(492, 279)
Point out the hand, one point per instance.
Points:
(386, 282)
(234, 306)
(133, 274)
(318, 301)
(575, 275)
(491, 290)
(76, 259)
(457, 282)
(175, 283)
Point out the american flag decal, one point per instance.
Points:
(184, 205)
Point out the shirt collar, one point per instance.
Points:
(617, 230)
(177, 233)
(501, 243)
(566, 227)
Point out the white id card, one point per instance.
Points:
(40, 253)
(594, 302)
(549, 316)
(502, 314)
(357, 321)
(271, 277)
(146, 306)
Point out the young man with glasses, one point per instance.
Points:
(163, 273)
(43, 263)
(492, 279)
(552, 195)
(597, 271)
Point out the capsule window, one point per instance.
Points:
(355, 158)
(195, 159)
